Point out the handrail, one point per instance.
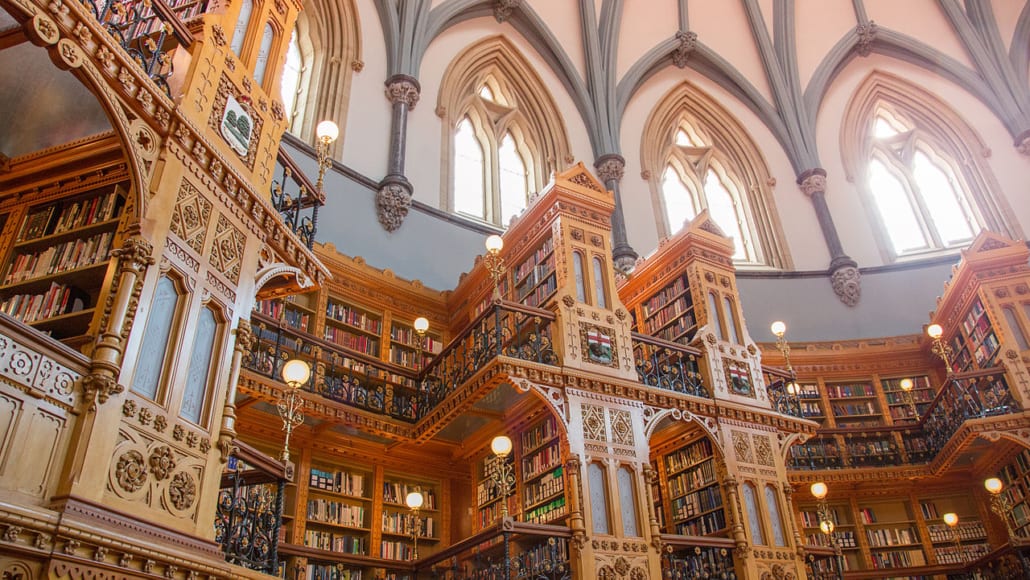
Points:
(343, 557)
(494, 531)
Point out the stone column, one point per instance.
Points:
(394, 196)
(844, 274)
(610, 168)
(576, 523)
(244, 344)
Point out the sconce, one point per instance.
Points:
(907, 385)
(421, 326)
(1000, 504)
(295, 373)
(826, 524)
(951, 519)
(494, 262)
(943, 351)
(414, 501)
(327, 132)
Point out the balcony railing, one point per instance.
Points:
(966, 396)
(249, 510)
(531, 551)
(777, 384)
(149, 30)
(697, 557)
(296, 199)
(668, 365)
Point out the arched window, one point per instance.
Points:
(627, 501)
(293, 74)
(505, 134)
(242, 23)
(264, 51)
(772, 503)
(754, 518)
(598, 498)
(698, 157)
(1017, 329)
(599, 283)
(731, 320)
(156, 340)
(580, 274)
(714, 320)
(198, 375)
(917, 165)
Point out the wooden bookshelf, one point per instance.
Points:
(296, 312)
(398, 523)
(972, 532)
(487, 497)
(889, 531)
(54, 270)
(404, 349)
(974, 344)
(543, 474)
(898, 406)
(1016, 478)
(692, 500)
(669, 313)
(353, 327)
(338, 510)
(854, 404)
(845, 532)
(534, 278)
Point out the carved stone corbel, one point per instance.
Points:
(1023, 142)
(393, 200)
(504, 8)
(687, 44)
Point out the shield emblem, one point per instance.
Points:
(236, 126)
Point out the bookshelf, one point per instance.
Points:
(971, 530)
(975, 343)
(890, 530)
(404, 346)
(845, 532)
(1016, 478)
(669, 313)
(338, 510)
(352, 327)
(487, 496)
(898, 407)
(543, 476)
(296, 312)
(398, 522)
(52, 277)
(693, 501)
(534, 278)
(811, 402)
(854, 404)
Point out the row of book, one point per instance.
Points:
(330, 572)
(296, 319)
(704, 525)
(852, 409)
(899, 398)
(698, 502)
(79, 214)
(360, 343)
(663, 297)
(343, 482)
(846, 539)
(682, 331)
(700, 450)
(663, 316)
(851, 390)
(343, 543)
(406, 358)
(541, 461)
(544, 487)
(335, 512)
(540, 560)
(357, 367)
(61, 257)
(699, 476)
(408, 337)
(355, 318)
(395, 493)
(541, 293)
(891, 537)
(898, 559)
(961, 555)
(965, 530)
(392, 550)
(547, 512)
(57, 300)
(405, 523)
(529, 263)
(539, 434)
(535, 275)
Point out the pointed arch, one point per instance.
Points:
(515, 111)
(891, 131)
(717, 156)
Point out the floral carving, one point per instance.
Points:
(504, 8)
(190, 216)
(162, 462)
(218, 34)
(191, 439)
(131, 471)
(178, 433)
(227, 249)
(11, 533)
(129, 408)
(145, 416)
(392, 203)
(687, 43)
(742, 447)
(403, 90)
(182, 491)
(847, 284)
(763, 450)
(160, 423)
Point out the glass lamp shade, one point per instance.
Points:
(296, 372)
(819, 490)
(827, 527)
(951, 519)
(906, 385)
(327, 131)
(934, 331)
(414, 499)
(494, 244)
(421, 325)
(501, 446)
(793, 388)
(778, 328)
(993, 485)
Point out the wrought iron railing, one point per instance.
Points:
(296, 199)
(504, 329)
(1010, 562)
(689, 557)
(965, 396)
(149, 30)
(529, 551)
(823, 563)
(249, 511)
(784, 392)
(668, 365)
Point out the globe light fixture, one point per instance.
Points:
(414, 501)
(501, 446)
(295, 374)
(494, 262)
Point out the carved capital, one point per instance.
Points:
(610, 168)
(134, 255)
(244, 337)
(687, 43)
(403, 89)
(847, 285)
(1023, 142)
(813, 181)
(866, 32)
(392, 203)
(98, 386)
(504, 8)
